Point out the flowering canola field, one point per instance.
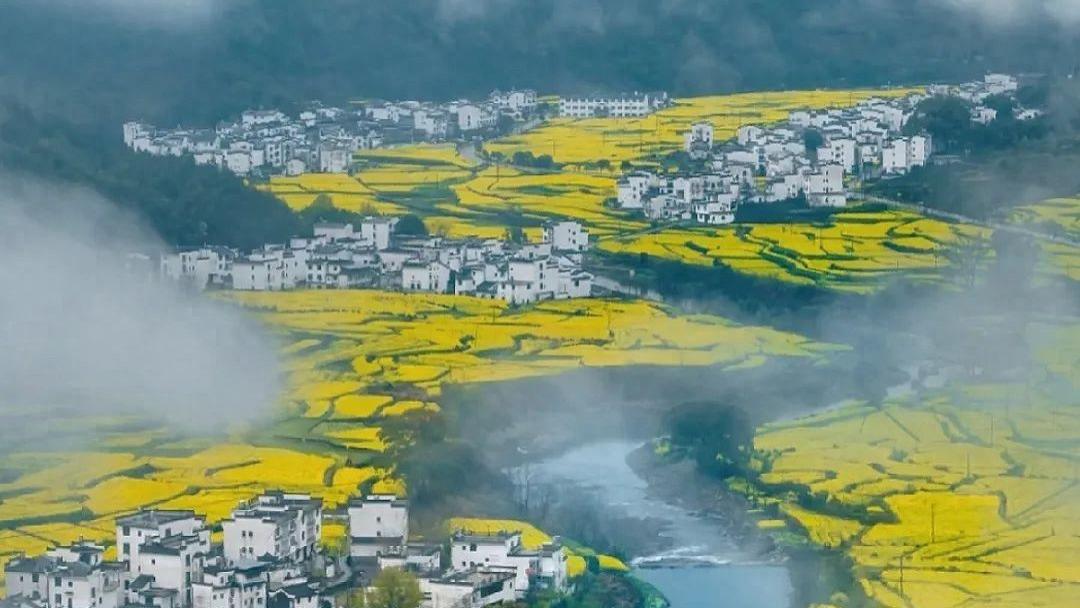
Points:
(854, 251)
(458, 197)
(353, 359)
(580, 141)
(965, 496)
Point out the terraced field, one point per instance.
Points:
(354, 358)
(961, 497)
(587, 141)
(1055, 216)
(854, 251)
(459, 198)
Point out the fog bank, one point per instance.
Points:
(87, 329)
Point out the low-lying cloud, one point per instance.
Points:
(1011, 12)
(88, 329)
(162, 13)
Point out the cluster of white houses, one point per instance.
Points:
(371, 255)
(771, 164)
(324, 138)
(271, 557)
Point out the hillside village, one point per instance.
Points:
(323, 139)
(270, 557)
(374, 255)
(814, 154)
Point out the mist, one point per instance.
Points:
(89, 330)
(159, 13)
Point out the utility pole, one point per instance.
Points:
(901, 575)
(933, 523)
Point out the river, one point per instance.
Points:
(704, 568)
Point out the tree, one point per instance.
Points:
(967, 255)
(515, 234)
(813, 139)
(946, 118)
(410, 225)
(394, 588)
(718, 436)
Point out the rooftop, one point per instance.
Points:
(153, 518)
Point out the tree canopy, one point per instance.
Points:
(392, 588)
(719, 437)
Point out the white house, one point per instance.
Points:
(376, 231)
(699, 139)
(633, 187)
(839, 151)
(133, 531)
(547, 566)
(334, 158)
(74, 576)
(378, 524)
(566, 236)
(469, 118)
(748, 134)
(276, 524)
(239, 161)
(425, 276)
(170, 564)
(231, 587)
(919, 150)
(894, 156)
(983, 115)
(472, 588)
(259, 272)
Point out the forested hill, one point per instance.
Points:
(200, 60)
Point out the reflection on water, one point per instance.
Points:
(705, 568)
(750, 586)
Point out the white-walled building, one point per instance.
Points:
(616, 106)
(473, 588)
(469, 118)
(378, 524)
(231, 587)
(137, 529)
(74, 576)
(170, 565)
(545, 566)
(279, 525)
(633, 187)
(566, 236)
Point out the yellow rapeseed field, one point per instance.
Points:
(579, 141)
(970, 491)
(347, 354)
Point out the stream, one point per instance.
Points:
(705, 567)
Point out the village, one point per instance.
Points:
(270, 556)
(373, 254)
(814, 155)
(323, 139)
